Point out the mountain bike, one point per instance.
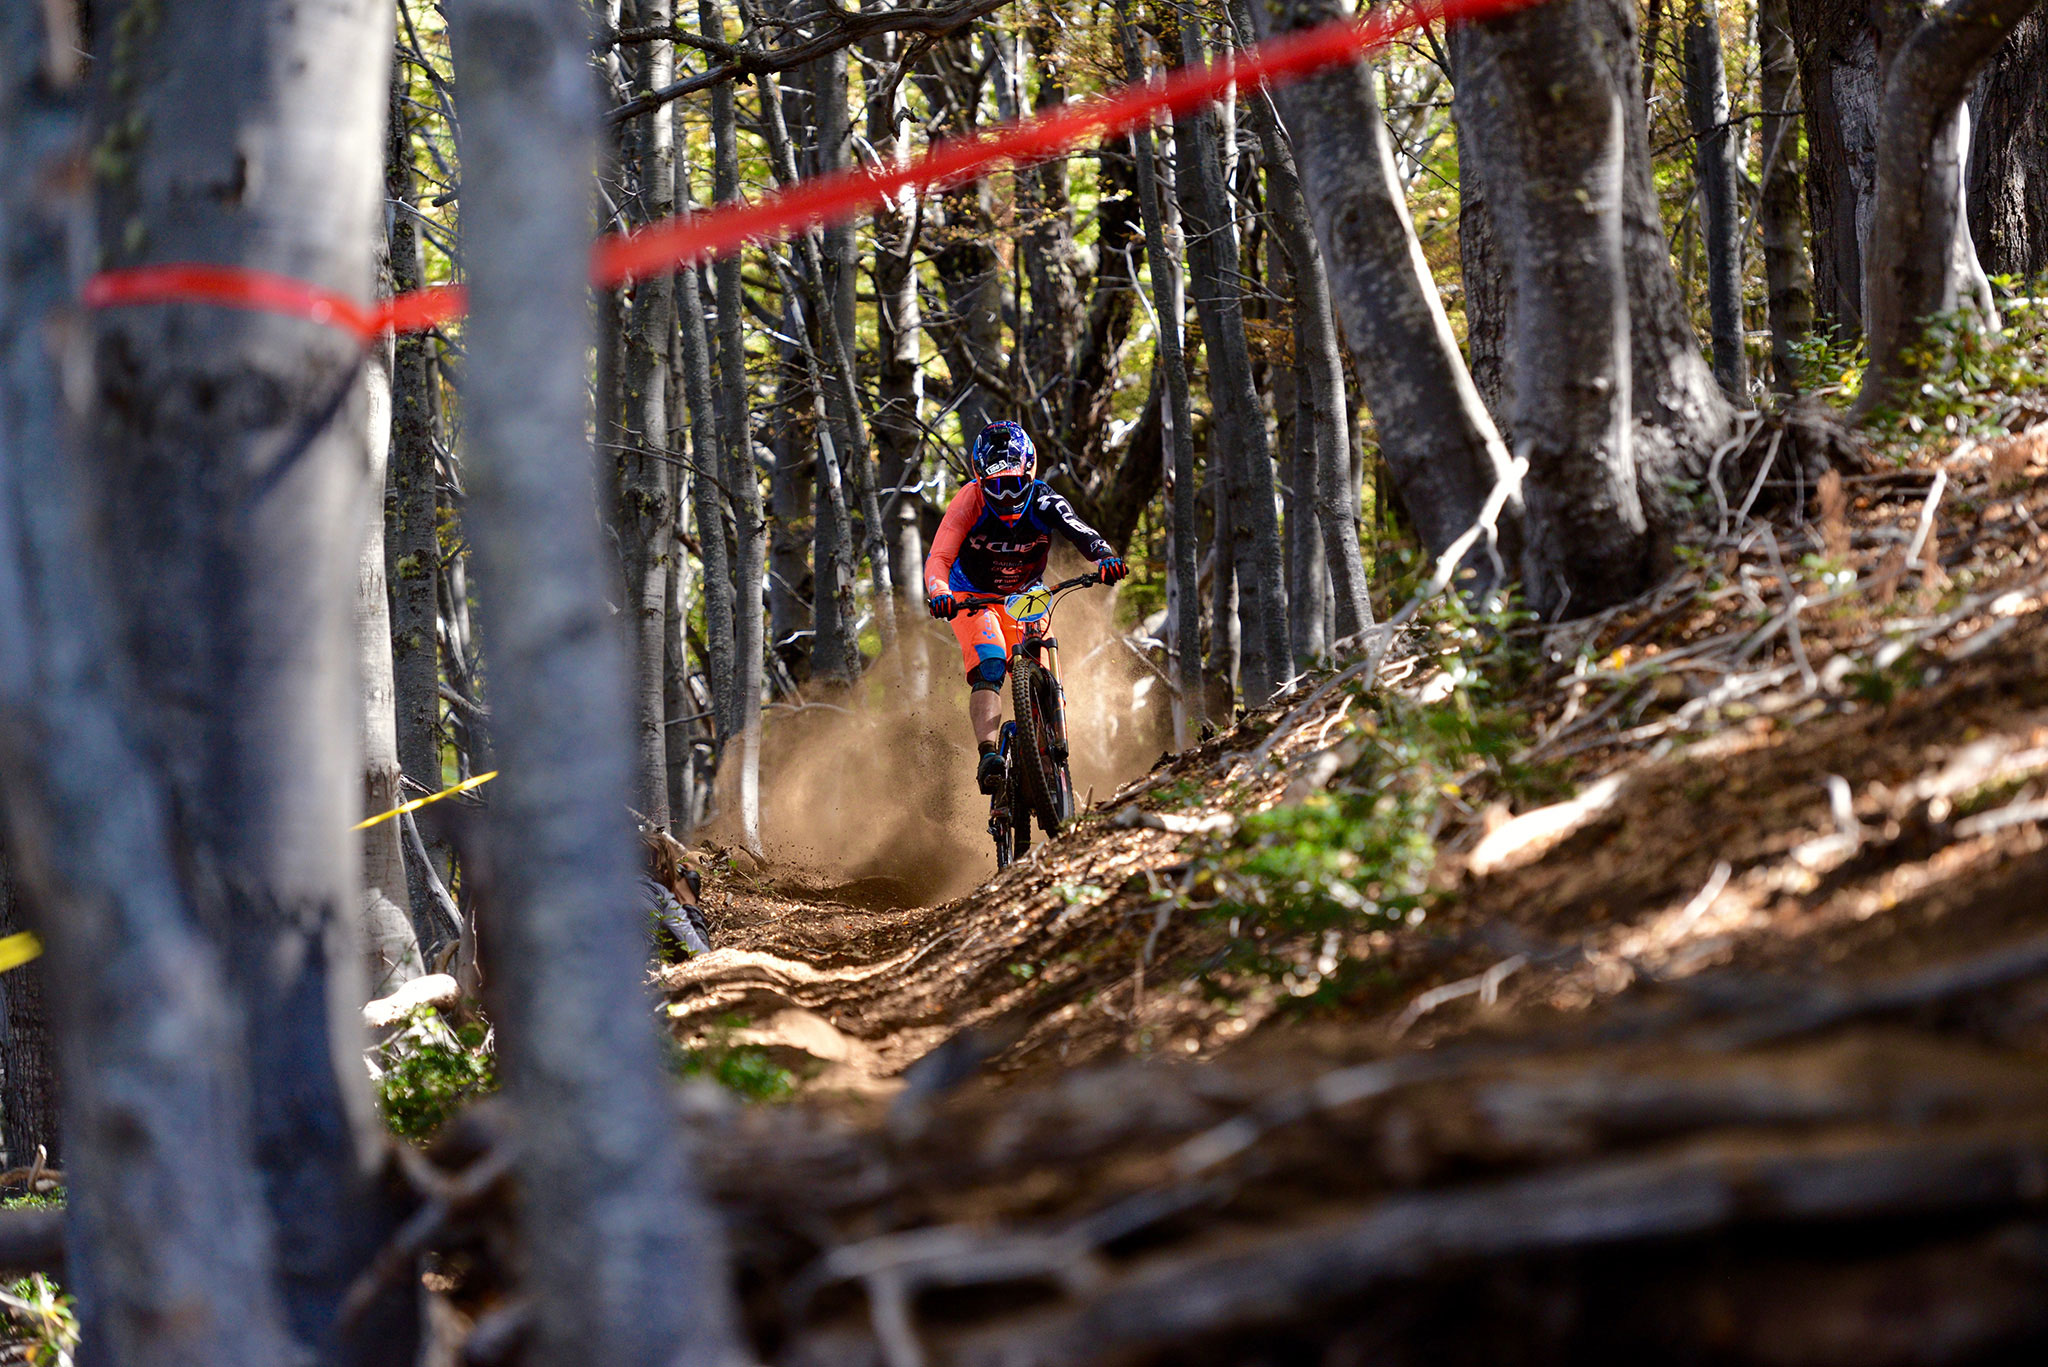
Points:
(1033, 744)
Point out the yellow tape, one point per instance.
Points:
(16, 950)
(418, 803)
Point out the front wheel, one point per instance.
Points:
(1040, 757)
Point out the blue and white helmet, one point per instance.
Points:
(1004, 461)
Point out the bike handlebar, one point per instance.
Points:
(964, 602)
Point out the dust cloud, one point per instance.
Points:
(871, 800)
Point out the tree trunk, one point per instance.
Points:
(1052, 323)
(388, 934)
(1482, 265)
(1716, 153)
(1839, 85)
(1679, 413)
(624, 1265)
(167, 1225)
(839, 263)
(792, 494)
(1434, 431)
(1238, 447)
(737, 460)
(232, 449)
(28, 1075)
(1919, 257)
(1542, 82)
(412, 537)
(1090, 387)
(2008, 171)
(1324, 485)
(843, 450)
(647, 483)
(1788, 273)
(710, 481)
(969, 334)
(1168, 308)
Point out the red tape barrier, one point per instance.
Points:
(725, 228)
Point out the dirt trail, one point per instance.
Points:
(1739, 1047)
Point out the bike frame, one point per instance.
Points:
(1045, 648)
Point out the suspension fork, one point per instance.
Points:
(1046, 650)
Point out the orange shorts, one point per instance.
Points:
(986, 638)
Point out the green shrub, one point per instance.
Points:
(747, 1070)
(42, 1325)
(430, 1070)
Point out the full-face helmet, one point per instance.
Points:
(1004, 460)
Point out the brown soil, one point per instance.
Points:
(1744, 1065)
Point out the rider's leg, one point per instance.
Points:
(985, 654)
(985, 715)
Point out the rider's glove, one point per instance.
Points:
(1111, 568)
(941, 604)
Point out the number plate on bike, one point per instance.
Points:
(1030, 605)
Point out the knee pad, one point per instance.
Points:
(988, 675)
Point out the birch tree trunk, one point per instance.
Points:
(1919, 260)
(1163, 258)
(648, 487)
(231, 447)
(737, 460)
(1541, 84)
(1238, 447)
(1326, 488)
(1715, 153)
(412, 535)
(1788, 273)
(1435, 434)
(169, 1239)
(835, 651)
(1678, 412)
(388, 934)
(624, 1265)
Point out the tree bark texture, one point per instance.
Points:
(1716, 167)
(710, 483)
(2008, 171)
(1322, 482)
(1839, 85)
(1788, 271)
(623, 1264)
(387, 926)
(1238, 448)
(1482, 267)
(169, 1246)
(412, 512)
(1434, 430)
(792, 495)
(231, 447)
(842, 435)
(647, 483)
(1542, 81)
(1163, 258)
(1919, 255)
(1051, 324)
(28, 1075)
(1680, 414)
(735, 430)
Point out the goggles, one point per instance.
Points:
(1004, 489)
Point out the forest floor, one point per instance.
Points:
(1674, 978)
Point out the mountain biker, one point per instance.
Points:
(995, 538)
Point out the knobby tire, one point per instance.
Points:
(1039, 771)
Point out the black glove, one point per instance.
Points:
(1111, 568)
(941, 604)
